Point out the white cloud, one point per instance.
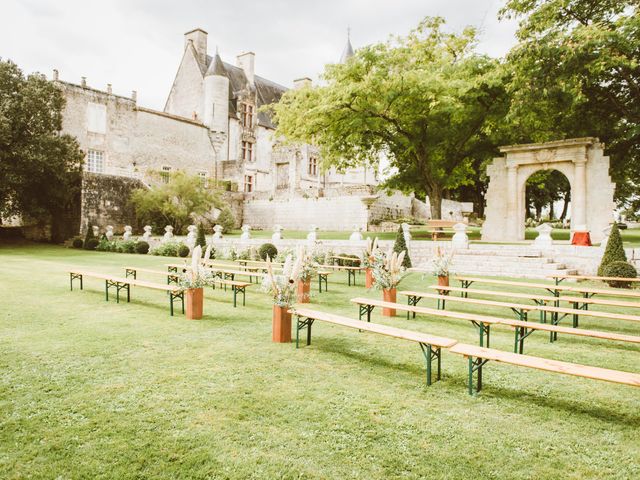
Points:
(137, 44)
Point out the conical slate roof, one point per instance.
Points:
(216, 67)
(347, 53)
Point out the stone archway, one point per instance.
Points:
(581, 160)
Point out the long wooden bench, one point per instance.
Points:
(560, 277)
(351, 271)
(478, 357)
(586, 292)
(236, 287)
(438, 227)
(120, 283)
(429, 344)
(522, 310)
(224, 273)
(483, 323)
(133, 272)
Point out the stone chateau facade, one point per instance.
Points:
(212, 127)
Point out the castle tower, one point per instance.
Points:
(347, 53)
(216, 96)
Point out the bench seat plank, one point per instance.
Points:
(572, 331)
(476, 301)
(595, 373)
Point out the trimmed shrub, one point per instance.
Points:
(91, 244)
(226, 220)
(142, 247)
(267, 250)
(620, 270)
(400, 245)
(169, 249)
(614, 251)
(200, 237)
(89, 236)
(126, 246)
(212, 254)
(183, 250)
(105, 245)
(77, 243)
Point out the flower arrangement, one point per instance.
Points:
(388, 271)
(197, 275)
(441, 263)
(308, 267)
(282, 287)
(368, 256)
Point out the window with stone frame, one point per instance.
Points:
(204, 178)
(248, 183)
(247, 151)
(95, 161)
(165, 174)
(247, 115)
(313, 166)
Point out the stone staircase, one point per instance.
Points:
(504, 261)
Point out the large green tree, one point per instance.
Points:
(576, 72)
(425, 101)
(40, 170)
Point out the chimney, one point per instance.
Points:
(302, 82)
(247, 62)
(198, 38)
(83, 82)
(55, 74)
(109, 90)
(134, 95)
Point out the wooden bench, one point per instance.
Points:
(438, 227)
(120, 283)
(224, 273)
(559, 278)
(483, 323)
(351, 271)
(323, 277)
(133, 272)
(429, 344)
(478, 356)
(236, 286)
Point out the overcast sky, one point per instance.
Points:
(137, 44)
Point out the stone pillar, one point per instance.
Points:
(512, 203)
(579, 196)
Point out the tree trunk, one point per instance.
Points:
(435, 201)
(565, 207)
(551, 212)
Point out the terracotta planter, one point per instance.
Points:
(443, 280)
(389, 296)
(303, 295)
(281, 325)
(194, 300)
(368, 278)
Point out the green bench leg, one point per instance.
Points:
(475, 365)
(300, 324)
(75, 276)
(365, 309)
(412, 301)
(430, 354)
(131, 272)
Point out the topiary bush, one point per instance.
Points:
(400, 245)
(620, 270)
(614, 251)
(126, 246)
(91, 244)
(169, 249)
(90, 236)
(267, 250)
(200, 237)
(77, 243)
(226, 220)
(183, 250)
(142, 247)
(105, 245)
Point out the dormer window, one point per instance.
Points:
(247, 115)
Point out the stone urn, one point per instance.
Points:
(146, 236)
(217, 232)
(389, 295)
(194, 303)
(281, 325)
(356, 236)
(96, 231)
(246, 232)
(277, 233)
(312, 236)
(168, 234)
(303, 294)
(127, 233)
(109, 233)
(191, 236)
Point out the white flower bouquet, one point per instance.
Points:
(282, 287)
(197, 275)
(388, 271)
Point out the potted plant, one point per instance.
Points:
(193, 280)
(441, 262)
(388, 272)
(282, 289)
(306, 272)
(368, 259)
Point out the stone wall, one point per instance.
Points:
(105, 201)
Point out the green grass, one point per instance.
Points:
(90, 389)
(630, 237)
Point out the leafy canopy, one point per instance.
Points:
(40, 170)
(424, 101)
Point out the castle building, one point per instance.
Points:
(212, 126)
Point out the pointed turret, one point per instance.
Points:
(216, 96)
(347, 53)
(216, 67)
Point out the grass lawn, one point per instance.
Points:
(90, 389)
(630, 237)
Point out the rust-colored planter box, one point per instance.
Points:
(389, 296)
(368, 278)
(281, 325)
(443, 280)
(304, 289)
(194, 300)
